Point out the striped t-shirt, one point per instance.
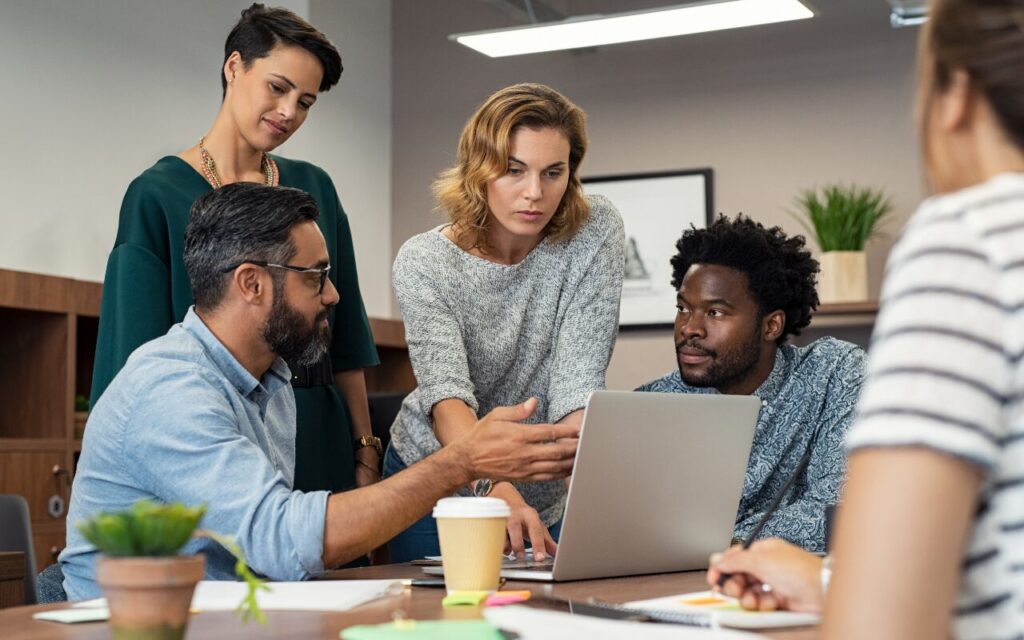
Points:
(945, 372)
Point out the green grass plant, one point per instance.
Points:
(842, 218)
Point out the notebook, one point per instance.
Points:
(724, 611)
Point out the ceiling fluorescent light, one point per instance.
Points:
(593, 31)
(908, 17)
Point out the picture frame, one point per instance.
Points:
(656, 208)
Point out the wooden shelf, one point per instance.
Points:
(388, 333)
(842, 308)
(847, 314)
(394, 375)
(31, 444)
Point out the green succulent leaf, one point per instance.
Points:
(841, 218)
(151, 529)
(145, 529)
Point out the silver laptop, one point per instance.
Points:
(656, 486)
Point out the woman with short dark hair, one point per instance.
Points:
(275, 66)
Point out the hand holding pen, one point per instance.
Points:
(772, 508)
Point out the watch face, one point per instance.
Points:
(483, 487)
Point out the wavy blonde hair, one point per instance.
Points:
(483, 154)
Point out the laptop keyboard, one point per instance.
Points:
(543, 565)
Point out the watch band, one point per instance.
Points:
(369, 441)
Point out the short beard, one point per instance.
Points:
(287, 334)
(732, 367)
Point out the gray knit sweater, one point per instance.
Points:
(493, 335)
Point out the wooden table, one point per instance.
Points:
(417, 603)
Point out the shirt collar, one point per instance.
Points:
(772, 385)
(277, 376)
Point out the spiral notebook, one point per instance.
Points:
(721, 611)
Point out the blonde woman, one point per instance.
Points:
(516, 297)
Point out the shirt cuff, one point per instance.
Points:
(307, 518)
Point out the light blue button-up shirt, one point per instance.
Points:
(184, 422)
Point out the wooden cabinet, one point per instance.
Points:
(48, 542)
(12, 579)
(41, 477)
(47, 343)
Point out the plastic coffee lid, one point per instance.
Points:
(471, 508)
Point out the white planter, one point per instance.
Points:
(843, 277)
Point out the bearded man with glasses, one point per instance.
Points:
(206, 414)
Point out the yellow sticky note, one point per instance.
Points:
(465, 598)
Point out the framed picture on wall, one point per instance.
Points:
(655, 208)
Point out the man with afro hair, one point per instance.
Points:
(742, 290)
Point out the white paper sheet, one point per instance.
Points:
(73, 616)
(315, 595)
(539, 624)
(728, 614)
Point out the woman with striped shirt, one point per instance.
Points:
(930, 538)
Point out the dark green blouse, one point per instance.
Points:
(146, 290)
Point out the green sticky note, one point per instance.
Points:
(425, 630)
(465, 598)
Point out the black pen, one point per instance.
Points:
(772, 508)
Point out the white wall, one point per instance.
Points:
(772, 109)
(352, 135)
(95, 91)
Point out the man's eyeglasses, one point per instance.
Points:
(323, 273)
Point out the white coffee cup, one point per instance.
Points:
(472, 536)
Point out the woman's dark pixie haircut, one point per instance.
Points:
(260, 28)
(781, 274)
(238, 223)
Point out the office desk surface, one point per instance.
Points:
(417, 603)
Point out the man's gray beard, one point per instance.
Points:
(286, 335)
(315, 349)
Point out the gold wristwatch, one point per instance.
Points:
(369, 441)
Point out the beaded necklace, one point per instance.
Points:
(267, 167)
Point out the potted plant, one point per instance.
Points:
(147, 584)
(842, 219)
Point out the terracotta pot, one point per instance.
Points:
(149, 598)
(843, 277)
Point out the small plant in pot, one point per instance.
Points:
(842, 219)
(147, 584)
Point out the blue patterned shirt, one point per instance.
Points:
(184, 421)
(807, 402)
